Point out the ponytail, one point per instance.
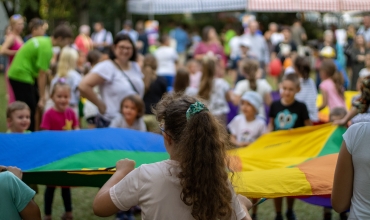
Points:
(182, 81)
(208, 74)
(250, 68)
(200, 143)
(303, 67)
(149, 71)
(338, 81)
(328, 66)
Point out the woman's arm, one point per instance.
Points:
(324, 100)
(343, 181)
(86, 88)
(9, 41)
(103, 205)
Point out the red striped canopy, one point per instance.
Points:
(308, 5)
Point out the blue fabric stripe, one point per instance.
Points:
(28, 151)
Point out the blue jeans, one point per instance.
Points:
(170, 79)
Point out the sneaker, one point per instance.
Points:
(290, 215)
(343, 216)
(327, 216)
(279, 217)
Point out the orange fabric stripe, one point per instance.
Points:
(320, 173)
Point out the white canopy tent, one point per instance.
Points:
(307, 5)
(160, 7)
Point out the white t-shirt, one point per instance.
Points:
(166, 57)
(73, 78)
(217, 103)
(364, 73)
(234, 44)
(357, 139)
(120, 122)
(263, 88)
(246, 131)
(276, 38)
(102, 36)
(308, 96)
(116, 86)
(156, 189)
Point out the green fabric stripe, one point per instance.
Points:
(334, 142)
(101, 159)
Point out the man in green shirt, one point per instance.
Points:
(27, 73)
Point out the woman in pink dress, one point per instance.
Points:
(12, 43)
(210, 45)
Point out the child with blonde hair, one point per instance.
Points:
(66, 72)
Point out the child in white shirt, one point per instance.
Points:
(246, 127)
(131, 114)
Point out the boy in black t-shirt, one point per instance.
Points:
(287, 113)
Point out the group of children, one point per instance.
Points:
(295, 108)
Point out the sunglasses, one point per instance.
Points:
(17, 16)
(161, 127)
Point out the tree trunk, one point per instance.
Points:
(9, 10)
(83, 10)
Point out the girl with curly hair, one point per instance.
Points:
(192, 184)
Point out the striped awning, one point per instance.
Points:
(307, 5)
(156, 7)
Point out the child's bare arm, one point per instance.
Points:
(324, 100)
(233, 140)
(235, 99)
(270, 127)
(307, 122)
(31, 212)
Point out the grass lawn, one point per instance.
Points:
(83, 196)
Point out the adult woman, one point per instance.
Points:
(352, 176)
(210, 44)
(358, 59)
(11, 45)
(83, 41)
(117, 78)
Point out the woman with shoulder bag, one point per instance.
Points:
(117, 78)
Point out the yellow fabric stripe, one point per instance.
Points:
(281, 149)
(281, 182)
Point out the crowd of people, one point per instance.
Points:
(189, 87)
